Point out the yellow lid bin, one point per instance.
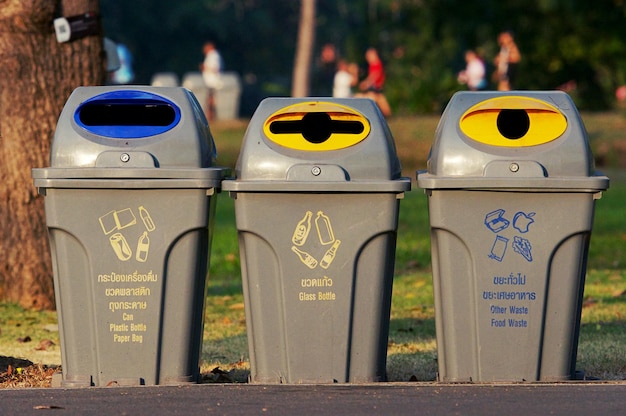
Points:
(317, 193)
(511, 195)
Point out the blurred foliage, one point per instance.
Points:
(575, 45)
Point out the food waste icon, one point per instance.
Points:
(116, 223)
(325, 237)
(497, 223)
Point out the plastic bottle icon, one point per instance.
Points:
(305, 257)
(147, 220)
(303, 227)
(143, 245)
(324, 229)
(330, 254)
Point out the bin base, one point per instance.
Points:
(132, 313)
(508, 279)
(317, 282)
(71, 382)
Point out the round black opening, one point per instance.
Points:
(316, 127)
(513, 124)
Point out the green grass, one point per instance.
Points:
(25, 334)
(608, 241)
(412, 349)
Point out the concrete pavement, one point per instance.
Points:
(571, 398)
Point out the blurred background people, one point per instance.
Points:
(345, 78)
(507, 61)
(325, 69)
(474, 73)
(125, 74)
(373, 85)
(211, 68)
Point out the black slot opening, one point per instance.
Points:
(316, 127)
(101, 114)
(513, 124)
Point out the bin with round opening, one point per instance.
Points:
(511, 194)
(317, 193)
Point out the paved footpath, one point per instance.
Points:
(574, 398)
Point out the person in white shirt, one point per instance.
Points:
(211, 68)
(344, 80)
(474, 74)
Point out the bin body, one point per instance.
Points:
(510, 230)
(317, 244)
(227, 97)
(130, 231)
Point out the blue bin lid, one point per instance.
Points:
(127, 114)
(132, 127)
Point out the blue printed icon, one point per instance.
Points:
(495, 221)
(498, 224)
(499, 248)
(522, 220)
(522, 246)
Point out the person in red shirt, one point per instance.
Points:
(373, 85)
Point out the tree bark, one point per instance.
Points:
(37, 74)
(304, 49)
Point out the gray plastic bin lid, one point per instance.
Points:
(131, 132)
(511, 140)
(328, 145)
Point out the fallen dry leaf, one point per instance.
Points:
(44, 345)
(218, 375)
(589, 302)
(34, 375)
(619, 293)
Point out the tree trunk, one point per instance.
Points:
(37, 74)
(304, 49)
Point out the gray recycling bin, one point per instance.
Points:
(316, 203)
(511, 193)
(129, 200)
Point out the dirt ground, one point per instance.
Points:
(18, 373)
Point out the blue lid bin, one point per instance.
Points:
(129, 197)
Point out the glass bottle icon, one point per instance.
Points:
(305, 257)
(303, 227)
(324, 228)
(330, 254)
